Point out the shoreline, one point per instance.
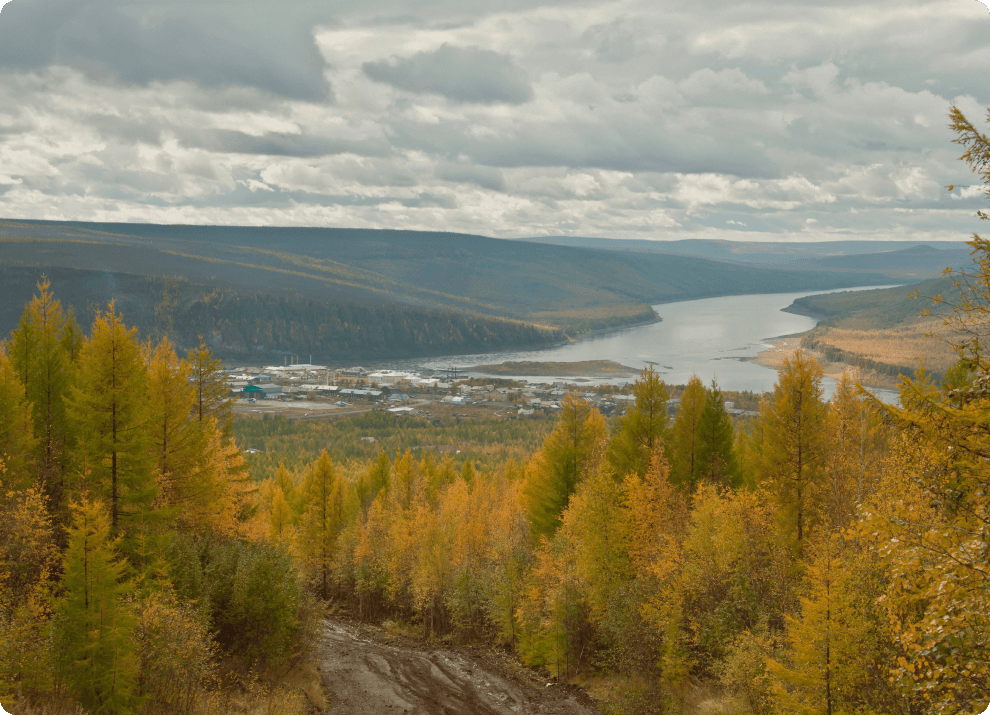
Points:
(783, 346)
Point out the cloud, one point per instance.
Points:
(184, 42)
(485, 177)
(462, 74)
(601, 117)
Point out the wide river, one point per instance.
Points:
(709, 338)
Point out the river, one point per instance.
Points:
(708, 337)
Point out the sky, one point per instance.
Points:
(761, 121)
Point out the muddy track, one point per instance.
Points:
(364, 670)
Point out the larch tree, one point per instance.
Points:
(45, 370)
(211, 394)
(793, 428)
(716, 455)
(96, 639)
(16, 431)
(643, 429)
(109, 406)
(684, 436)
(322, 520)
(176, 443)
(936, 509)
(571, 451)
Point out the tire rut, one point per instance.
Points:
(365, 671)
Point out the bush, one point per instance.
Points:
(250, 592)
(175, 651)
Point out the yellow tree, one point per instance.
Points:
(322, 520)
(643, 429)
(16, 431)
(855, 441)
(45, 370)
(933, 506)
(176, 442)
(793, 429)
(211, 395)
(572, 450)
(684, 436)
(109, 406)
(839, 645)
(594, 522)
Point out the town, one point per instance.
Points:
(305, 390)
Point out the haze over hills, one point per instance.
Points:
(279, 290)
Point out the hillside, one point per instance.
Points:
(288, 278)
(881, 334)
(877, 309)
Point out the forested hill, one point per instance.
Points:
(265, 326)
(289, 277)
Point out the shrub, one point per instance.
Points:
(250, 593)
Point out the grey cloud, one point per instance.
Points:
(463, 74)
(621, 144)
(485, 177)
(277, 143)
(204, 44)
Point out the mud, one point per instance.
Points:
(365, 671)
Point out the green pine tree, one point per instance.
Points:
(643, 430)
(684, 465)
(572, 451)
(716, 454)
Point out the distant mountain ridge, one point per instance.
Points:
(555, 289)
(836, 255)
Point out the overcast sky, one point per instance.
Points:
(765, 120)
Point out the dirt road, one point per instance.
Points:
(365, 670)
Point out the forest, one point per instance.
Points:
(820, 557)
(265, 327)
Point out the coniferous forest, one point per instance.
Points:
(821, 557)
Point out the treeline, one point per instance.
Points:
(131, 556)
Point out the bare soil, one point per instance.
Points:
(366, 670)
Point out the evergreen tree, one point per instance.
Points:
(716, 454)
(211, 393)
(643, 429)
(109, 406)
(684, 465)
(96, 642)
(572, 451)
(323, 519)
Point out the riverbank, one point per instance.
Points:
(784, 346)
